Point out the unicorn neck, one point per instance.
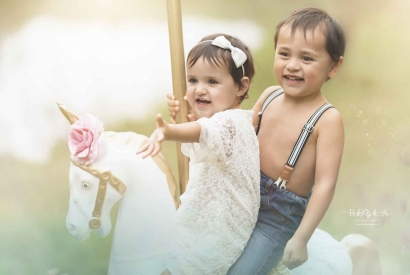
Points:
(145, 220)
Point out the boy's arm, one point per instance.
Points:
(184, 132)
(258, 105)
(329, 149)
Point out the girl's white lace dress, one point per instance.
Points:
(220, 206)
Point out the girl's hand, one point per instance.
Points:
(295, 253)
(173, 109)
(154, 143)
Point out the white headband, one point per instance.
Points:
(238, 56)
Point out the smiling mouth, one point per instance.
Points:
(294, 78)
(201, 101)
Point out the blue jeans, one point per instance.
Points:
(279, 216)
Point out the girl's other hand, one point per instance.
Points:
(173, 109)
(153, 146)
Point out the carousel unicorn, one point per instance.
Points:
(105, 170)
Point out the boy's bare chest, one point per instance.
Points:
(277, 137)
(280, 129)
(281, 133)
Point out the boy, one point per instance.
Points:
(309, 51)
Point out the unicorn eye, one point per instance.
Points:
(85, 185)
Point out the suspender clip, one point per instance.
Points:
(308, 128)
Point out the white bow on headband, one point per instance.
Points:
(238, 56)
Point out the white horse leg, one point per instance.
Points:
(364, 254)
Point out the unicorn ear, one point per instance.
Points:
(69, 115)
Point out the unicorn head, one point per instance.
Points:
(89, 179)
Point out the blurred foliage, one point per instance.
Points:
(370, 92)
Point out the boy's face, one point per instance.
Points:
(302, 64)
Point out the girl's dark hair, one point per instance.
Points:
(220, 57)
(308, 19)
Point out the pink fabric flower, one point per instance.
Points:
(85, 140)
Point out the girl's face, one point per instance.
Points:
(211, 89)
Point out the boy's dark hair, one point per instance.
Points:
(218, 56)
(308, 19)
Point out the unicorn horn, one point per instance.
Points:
(69, 115)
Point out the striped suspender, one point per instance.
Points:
(265, 104)
(304, 135)
(300, 143)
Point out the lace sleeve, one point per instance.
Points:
(216, 141)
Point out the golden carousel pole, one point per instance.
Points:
(178, 79)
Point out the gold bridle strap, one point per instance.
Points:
(105, 177)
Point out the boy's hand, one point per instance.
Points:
(295, 253)
(173, 108)
(153, 145)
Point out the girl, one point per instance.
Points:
(220, 206)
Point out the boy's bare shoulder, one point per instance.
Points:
(331, 119)
(268, 91)
(264, 95)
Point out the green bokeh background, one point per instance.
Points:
(370, 91)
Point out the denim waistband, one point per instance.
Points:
(266, 180)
